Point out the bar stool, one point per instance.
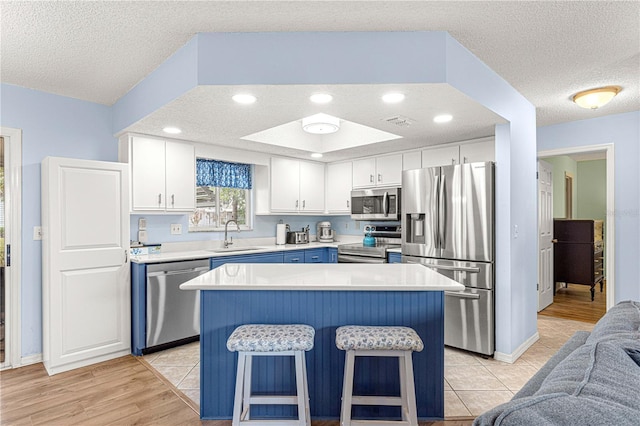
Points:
(374, 341)
(270, 340)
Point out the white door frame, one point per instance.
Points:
(609, 255)
(13, 222)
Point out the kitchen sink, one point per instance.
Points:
(235, 249)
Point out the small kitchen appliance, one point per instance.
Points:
(324, 233)
(376, 204)
(298, 237)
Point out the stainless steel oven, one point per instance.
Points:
(375, 204)
(386, 237)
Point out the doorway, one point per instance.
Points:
(10, 223)
(573, 301)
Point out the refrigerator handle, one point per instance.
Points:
(442, 212)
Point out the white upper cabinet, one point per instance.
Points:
(339, 176)
(162, 175)
(296, 186)
(379, 171)
(411, 160)
(442, 156)
(472, 152)
(478, 152)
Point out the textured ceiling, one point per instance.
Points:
(547, 50)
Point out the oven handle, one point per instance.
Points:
(346, 258)
(449, 268)
(385, 204)
(462, 295)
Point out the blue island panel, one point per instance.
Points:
(223, 311)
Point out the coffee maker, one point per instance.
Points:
(324, 233)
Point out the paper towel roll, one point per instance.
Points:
(281, 233)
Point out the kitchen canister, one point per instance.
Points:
(281, 233)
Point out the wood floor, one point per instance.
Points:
(124, 391)
(574, 303)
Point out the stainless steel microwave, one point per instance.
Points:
(375, 204)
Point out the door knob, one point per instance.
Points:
(555, 240)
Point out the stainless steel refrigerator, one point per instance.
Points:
(448, 225)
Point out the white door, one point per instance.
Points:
(545, 235)
(180, 176)
(85, 280)
(311, 187)
(285, 185)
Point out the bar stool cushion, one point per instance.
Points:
(359, 337)
(271, 338)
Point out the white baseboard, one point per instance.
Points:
(31, 359)
(512, 357)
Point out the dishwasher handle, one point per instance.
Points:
(178, 272)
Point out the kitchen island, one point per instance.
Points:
(324, 296)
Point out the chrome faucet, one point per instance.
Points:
(228, 243)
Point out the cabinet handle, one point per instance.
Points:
(160, 199)
(371, 178)
(173, 201)
(464, 159)
(297, 204)
(295, 259)
(453, 161)
(379, 177)
(304, 203)
(348, 204)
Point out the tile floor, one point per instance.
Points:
(472, 384)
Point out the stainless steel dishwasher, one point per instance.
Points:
(173, 314)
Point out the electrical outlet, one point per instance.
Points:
(142, 236)
(176, 229)
(37, 233)
(142, 224)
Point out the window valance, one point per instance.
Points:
(221, 173)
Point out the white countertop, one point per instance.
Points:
(172, 256)
(323, 276)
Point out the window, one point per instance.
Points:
(223, 192)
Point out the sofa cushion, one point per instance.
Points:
(621, 322)
(533, 384)
(595, 385)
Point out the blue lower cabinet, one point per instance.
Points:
(332, 255)
(318, 255)
(294, 256)
(138, 307)
(276, 257)
(394, 258)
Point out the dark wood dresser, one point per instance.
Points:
(578, 253)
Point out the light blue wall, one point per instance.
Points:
(561, 165)
(623, 131)
(51, 126)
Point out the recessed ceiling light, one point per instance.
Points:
(595, 98)
(172, 130)
(321, 124)
(393, 98)
(443, 118)
(316, 155)
(321, 98)
(244, 98)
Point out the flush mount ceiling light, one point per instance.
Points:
(595, 98)
(172, 130)
(320, 124)
(443, 118)
(393, 98)
(244, 98)
(321, 98)
(316, 155)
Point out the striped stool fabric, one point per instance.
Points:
(373, 341)
(270, 340)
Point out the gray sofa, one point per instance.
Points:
(594, 379)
